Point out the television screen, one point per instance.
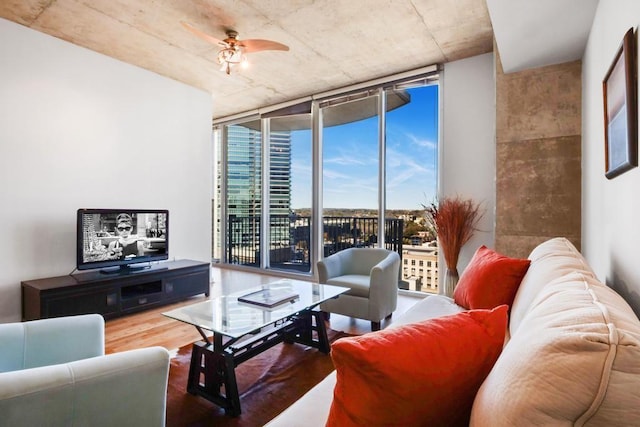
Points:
(121, 237)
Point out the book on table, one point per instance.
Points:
(269, 297)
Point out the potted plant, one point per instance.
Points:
(454, 220)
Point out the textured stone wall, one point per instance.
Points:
(538, 156)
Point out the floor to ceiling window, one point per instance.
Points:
(363, 164)
(290, 193)
(411, 180)
(350, 172)
(244, 192)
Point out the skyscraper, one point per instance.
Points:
(244, 171)
(280, 173)
(244, 189)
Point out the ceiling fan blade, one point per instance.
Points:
(202, 35)
(256, 45)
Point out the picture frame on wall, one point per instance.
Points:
(620, 110)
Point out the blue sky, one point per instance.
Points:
(351, 158)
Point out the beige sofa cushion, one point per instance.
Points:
(430, 307)
(311, 410)
(574, 361)
(549, 260)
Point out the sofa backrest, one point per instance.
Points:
(128, 388)
(549, 260)
(45, 342)
(574, 354)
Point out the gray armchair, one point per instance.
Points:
(371, 274)
(53, 372)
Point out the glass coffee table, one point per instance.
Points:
(247, 323)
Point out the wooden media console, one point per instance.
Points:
(113, 295)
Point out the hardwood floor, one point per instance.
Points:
(151, 328)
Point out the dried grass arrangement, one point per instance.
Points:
(454, 220)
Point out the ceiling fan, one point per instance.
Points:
(233, 49)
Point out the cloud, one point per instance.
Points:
(334, 174)
(344, 161)
(351, 152)
(409, 175)
(300, 168)
(421, 142)
(351, 194)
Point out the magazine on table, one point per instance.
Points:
(269, 297)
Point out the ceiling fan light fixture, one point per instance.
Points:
(233, 50)
(231, 56)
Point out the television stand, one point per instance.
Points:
(116, 294)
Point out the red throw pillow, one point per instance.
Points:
(420, 374)
(490, 279)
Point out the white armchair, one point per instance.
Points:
(53, 372)
(371, 274)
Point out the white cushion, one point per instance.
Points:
(430, 307)
(549, 260)
(358, 284)
(310, 410)
(575, 360)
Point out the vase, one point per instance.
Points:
(450, 281)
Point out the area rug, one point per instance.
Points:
(268, 384)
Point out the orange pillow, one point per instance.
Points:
(490, 279)
(424, 373)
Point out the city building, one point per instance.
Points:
(420, 268)
(244, 172)
(244, 190)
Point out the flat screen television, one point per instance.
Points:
(120, 238)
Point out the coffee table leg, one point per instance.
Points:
(208, 372)
(321, 329)
(303, 331)
(231, 387)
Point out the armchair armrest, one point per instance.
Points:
(331, 266)
(127, 388)
(383, 285)
(50, 341)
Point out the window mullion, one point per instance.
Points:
(382, 170)
(266, 202)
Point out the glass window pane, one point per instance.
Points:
(244, 192)
(411, 179)
(290, 193)
(350, 174)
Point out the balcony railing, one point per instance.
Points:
(290, 238)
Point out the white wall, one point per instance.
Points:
(468, 153)
(81, 130)
(610, 208)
